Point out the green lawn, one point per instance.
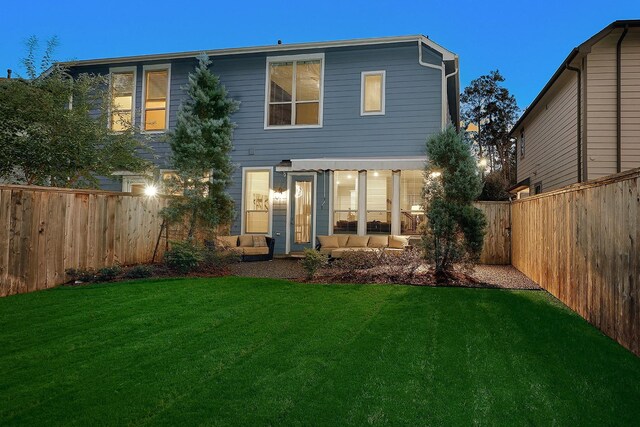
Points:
(268, 352)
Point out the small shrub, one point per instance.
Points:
(359, 260)
(139, 272)
(313, 261)
(183, 257)
(217, 257)
(81, 275)
(107, 274)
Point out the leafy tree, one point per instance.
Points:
(493, 110)
(54, 127)
(201, 145)
(454, 231)
(494, 187)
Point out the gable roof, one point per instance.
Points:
(446, 54)
(581, 49)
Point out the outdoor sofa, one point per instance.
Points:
(250, 247)
(338, 244)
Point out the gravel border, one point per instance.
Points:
(495, 276)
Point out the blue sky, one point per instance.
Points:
(525, 40)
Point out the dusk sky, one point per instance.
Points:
(525, 40)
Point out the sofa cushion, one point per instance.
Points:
(262, 250)
(328, 241)
(342, 240)
(246, 240)
(398, 242)
(228, 241)
(357, 241)
(326, 251)
(259, 241)
(337, 253)
(378, 241)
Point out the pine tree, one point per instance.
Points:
(201, 145)
(454, 231)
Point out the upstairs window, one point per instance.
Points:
(294, 91)
(155, 111)
(122, 93)
(373, 91)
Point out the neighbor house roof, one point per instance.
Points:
(446, 54)
(581, 49)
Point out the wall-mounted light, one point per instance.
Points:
(150, 190)
(279, 195)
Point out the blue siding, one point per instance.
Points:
(413, 112)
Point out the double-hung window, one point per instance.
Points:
(256, 202)
(294, 91)
(155, 110)
(122, 97)
(372, 93)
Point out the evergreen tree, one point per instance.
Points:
(454, 231)
(493, 109)
(201, 145)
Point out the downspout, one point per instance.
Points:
(579, 118)
(619, 99)
(443, 80)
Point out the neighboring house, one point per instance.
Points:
(330, 136)
(585, 123)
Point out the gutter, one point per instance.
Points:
(579, 118)
(619, 99)
(444, 78)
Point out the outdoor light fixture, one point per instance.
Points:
(279, 194)
(150, 190)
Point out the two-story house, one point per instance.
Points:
(585, 123)
(330, 136)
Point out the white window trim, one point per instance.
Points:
(267, 87)
(128, 181)
(314, 196)
(154, 67)
(117, 70)
(364, 74)
(242, 212)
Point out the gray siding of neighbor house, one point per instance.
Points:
(413, 112)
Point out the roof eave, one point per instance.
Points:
(265, 49)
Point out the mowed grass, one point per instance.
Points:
(241, 351)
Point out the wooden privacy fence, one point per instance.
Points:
(44, 231)
(497, 240)
(582, 244)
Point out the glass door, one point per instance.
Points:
(301, 213)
